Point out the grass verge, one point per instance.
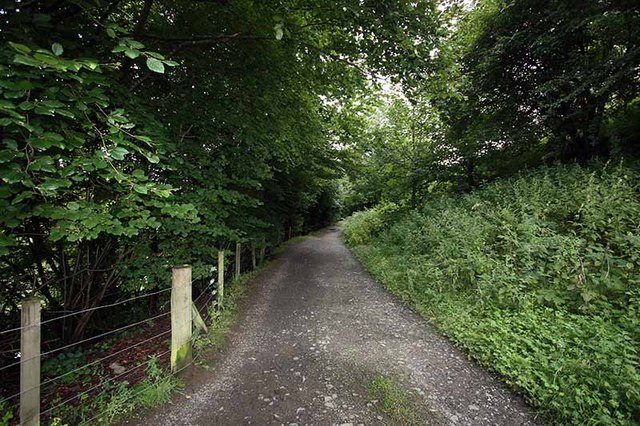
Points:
(535, 276)
(219, 329)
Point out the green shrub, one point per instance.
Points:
(538, 276)
(363, 226)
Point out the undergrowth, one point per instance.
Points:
(120, 399)
(224, 319)
(537, 276)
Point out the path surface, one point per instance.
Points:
(314, 333)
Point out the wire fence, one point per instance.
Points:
(137, 393)
(206, 302)
(111, 305)
(102, 384)
(81, 342)
(209, 291)
(92, 309)
(90, 364)
(38, 283)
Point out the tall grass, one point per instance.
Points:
(537, 276)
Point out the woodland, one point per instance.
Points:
(483, 152)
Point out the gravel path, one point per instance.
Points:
(315, 331)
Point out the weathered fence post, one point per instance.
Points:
(238, 255)
(220, 279)
(254, 263)
(30, 363)
(263, 249)
(181, 321)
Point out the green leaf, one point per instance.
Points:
(111, 33)
(134, 44)
(45, 163)
(13, 94)
(155, 65)
(118, 153)
(21, 197)
(5, 191)
(10, 143)
(6, 241)
(53, 184)
(26, 60)
(140, 189)
(145, 139)
(120, 48)
(44, 111)
(279, 32)
(47, 140)
(57, 49)
(156, 55)
(7, 155)
(154, 159)
(139, 174)
(53, 104)
(20, 47)
(132, 53)
(92, 65)
(26, 106)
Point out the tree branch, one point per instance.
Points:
(195, 41)
(207, 38)
(143, 17)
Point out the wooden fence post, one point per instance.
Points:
(181, 321)
(30, 362)
(254, 261)
(220, 279)
(238, 255)
(263, 249)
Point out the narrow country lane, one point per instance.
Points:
(315, 333)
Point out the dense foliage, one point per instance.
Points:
(538, 276)
(141, 134)
(512, 85)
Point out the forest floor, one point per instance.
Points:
(318, 341)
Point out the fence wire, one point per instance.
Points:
(211, 286)
(149, 386)
(155, 357)
(102, 384)
(111, 305)
(98, 361)
(44, 354)
(95, 308)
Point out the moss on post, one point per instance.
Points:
(181, 318)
